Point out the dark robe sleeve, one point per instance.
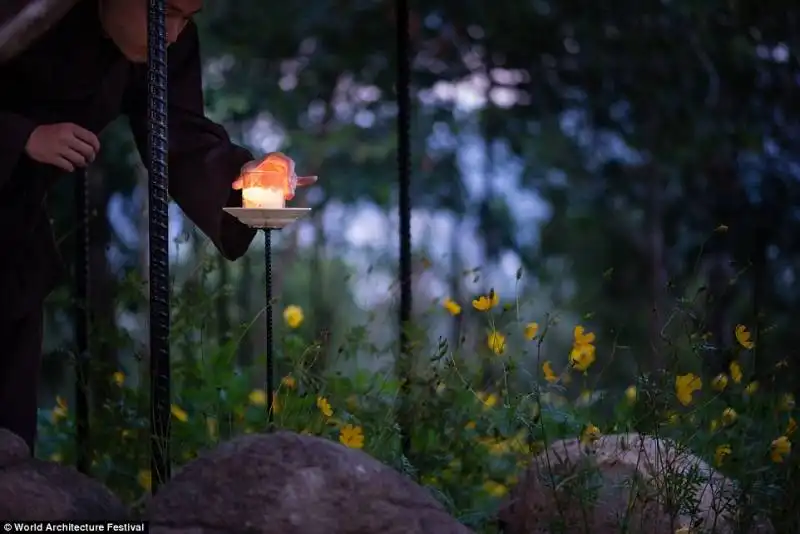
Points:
(14, 132)
(203, 163)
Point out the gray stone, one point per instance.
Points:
(284, 483)
(35, 490)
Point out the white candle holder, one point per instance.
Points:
(266, 218)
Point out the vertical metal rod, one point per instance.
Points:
(403, 87)
(82, 320)
(270, 385)
(159, 244)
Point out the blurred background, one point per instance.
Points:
(629, 165)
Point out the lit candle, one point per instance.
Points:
(263, 197)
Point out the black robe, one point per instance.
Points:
(74, 73)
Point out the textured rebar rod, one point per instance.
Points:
(403, 86)
(270, 386)
(159, 244)
(81, 317)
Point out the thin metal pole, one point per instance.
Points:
(270, 385)
(82, 320)
(403, 86)
(159, 245)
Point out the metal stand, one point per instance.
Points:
(270, 386)
(82, 321)
(268, 220)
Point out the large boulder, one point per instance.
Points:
(284, 483)
(35, 490)
(650, 485)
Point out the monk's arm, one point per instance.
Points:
(203, 163)
(14, 133)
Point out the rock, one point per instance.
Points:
(284, 483)
(620, 478)
(35, 490)
(13, 448)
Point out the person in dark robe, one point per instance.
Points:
(56, 97)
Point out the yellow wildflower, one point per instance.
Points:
(779, 449)
(685, 386)
(289, 381)
(721, 453)
(582, 357)
(489, 400)
(631, 394)
(496, 342)
(451, 306)
(729, 416)
(486, 303)
(212, 427)
(751, 388)
(787, 403)
(118, 378)
(145, 479)
(743, 336)
(258, 397)
(549, 375)
(736, 372)
(719, 382)
(60, 410)
(714, 425)
(470, 425)
(293, 315)
(324, 406)
(352, 436)
(495, 489)
(531, 329)
(590, 434)
(179, 413)
(581, 337)
(791, 428)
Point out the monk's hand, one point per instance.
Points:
(302, 181)
(64, 145)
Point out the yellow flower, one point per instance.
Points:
(751, 388)
(549, 375)
(779, 449)
(590, 434)
(531, 329)
(293, 315)
(352, 436)
(258, 397)
(582, 357)
(324, 406)
(787, 403)
(729, 416)
(489, 400)
(721, 453)
(470, 425)
(714, 425)
(581, 337)
(289, 381)
(791, 428)
(145, 479)
(212, 427)
(178, 413)
(486, 303)
(495, 489)
(118, 378)
(685, 386)
(631, 394)
(719, 382)
(743, 336)
(60, 410)
(451, 306)
(736, 372)
(496, 342)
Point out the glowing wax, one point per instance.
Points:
(263, 197)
